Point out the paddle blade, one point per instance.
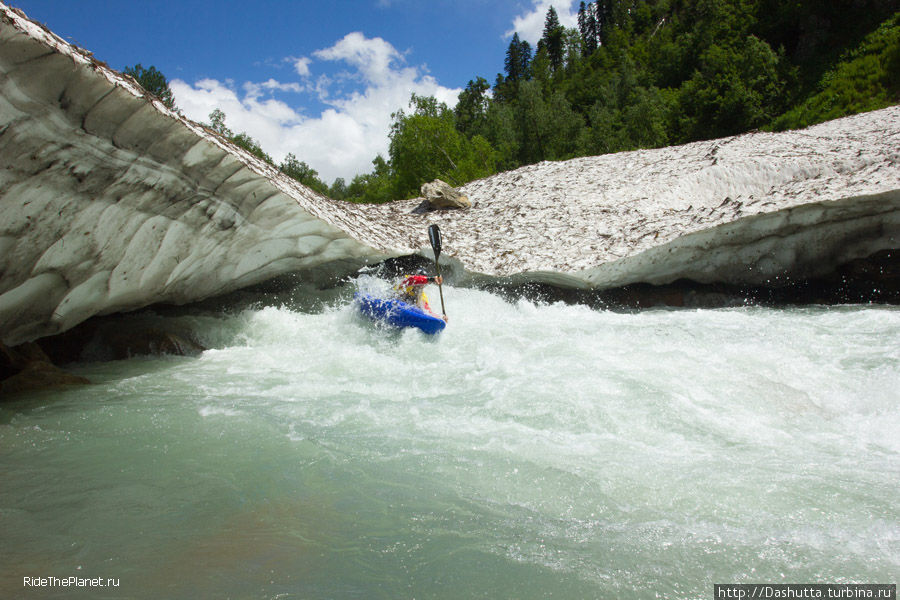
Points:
(434, 234)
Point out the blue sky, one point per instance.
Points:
(319, 79)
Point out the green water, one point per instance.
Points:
(529, 451)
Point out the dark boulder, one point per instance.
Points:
(27, 368)
(39, 375)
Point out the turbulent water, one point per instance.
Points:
(528, 451)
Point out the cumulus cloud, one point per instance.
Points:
(373, 81)
(374, 58)
(301, 65)
(530, 25)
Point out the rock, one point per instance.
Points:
(440, 195)
(26, 368)
(38, 376)
(8, 363)
(138, 342)
(118, 337)
(13, 360)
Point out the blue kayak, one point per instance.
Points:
(397, 313)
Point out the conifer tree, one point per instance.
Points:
(154, 82)
(471, 109)
(604, 12)
(552, 39)
(518, 60)
(589, 27)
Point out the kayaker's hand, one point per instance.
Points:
(445, 319)
(439, 280)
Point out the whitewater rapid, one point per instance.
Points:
(530, 450)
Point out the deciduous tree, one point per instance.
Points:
(302, 172)
(426, 145)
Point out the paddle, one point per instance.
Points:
(434, 234)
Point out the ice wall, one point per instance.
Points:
(109, 201)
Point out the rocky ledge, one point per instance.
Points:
(110, 202)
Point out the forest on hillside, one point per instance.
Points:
(637, 74)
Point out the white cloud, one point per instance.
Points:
(255, 90)
(530, 25)
(301, 65)
(372, 57)
(353, 128)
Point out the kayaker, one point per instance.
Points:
(411, 289)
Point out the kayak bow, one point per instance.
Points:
(397, 313)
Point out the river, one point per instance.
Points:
(529, 451)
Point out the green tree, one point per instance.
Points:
(604, 134)
(645, 120)
(425, 145)
(471, 107)
(565, 127)
(302, 172)
(549, 128)
(735, 88)
(867, 78)
(605, 15)
(588, 27)
(338, 189)
(572, 49)
(518, 60)
(154, 82)
(552, 39)
(502, 133)
(252, 146)
(217, 124)
(542, 70)
(375, 187)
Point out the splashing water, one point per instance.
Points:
(527, 451)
